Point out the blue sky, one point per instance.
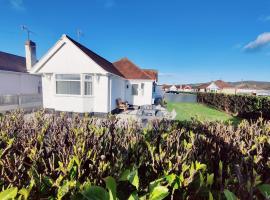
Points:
(186, 40)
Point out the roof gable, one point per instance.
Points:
(213, 86)
(105, 64)
(219, 83)
(10, 62)
(100, 61)
(222, 84)
(130, 71)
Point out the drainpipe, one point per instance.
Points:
(109, 94)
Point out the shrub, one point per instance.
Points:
(249, 107)
(81, 158)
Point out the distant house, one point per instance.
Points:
(173, 88)
(166, 87)
(177, 88)
(184, 88)
(218, 86)
(76, 79)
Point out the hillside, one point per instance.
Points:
(261, 85)
(252, 84)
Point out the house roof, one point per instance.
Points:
(152, 73)
(130, 70)
(123, 68)
(105, 64)
(221, 84)
(10, 62)
(203, 86)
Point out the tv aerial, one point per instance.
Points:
(27, 30)
(79, 34)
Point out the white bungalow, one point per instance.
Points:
(76, 79)
(218, 86)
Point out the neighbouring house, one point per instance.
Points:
(140, 83)
(218, 86)
(19, 88)
(165, 87)
(173, 88)
(76, 79)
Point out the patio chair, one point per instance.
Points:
(121, 105)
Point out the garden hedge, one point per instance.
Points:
(244, 106)
(63, 157)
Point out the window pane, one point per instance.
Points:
(68, 77)
(134, 89)
(88, 77)
(68, 87)
(88, 90)
(142, 87)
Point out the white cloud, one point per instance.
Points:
(166, 74)
(17, 4)
(265, 18)
(261, 41)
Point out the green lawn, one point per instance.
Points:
(186, 111)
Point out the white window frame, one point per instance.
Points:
(84, 80)
(142, 88)
(138, 85)
(56, 80)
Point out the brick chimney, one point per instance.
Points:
(30, 54)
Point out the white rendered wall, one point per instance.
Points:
(48, 92)
(118, 90)
(18, 83)
(140, 99)
(101, 92)
(77, 103)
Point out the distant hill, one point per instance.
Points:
(252, 84)
(260, 85)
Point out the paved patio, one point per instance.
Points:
(147, 113)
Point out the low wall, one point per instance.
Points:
(181, 97)
(22, 101)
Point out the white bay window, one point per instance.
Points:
(71, 84)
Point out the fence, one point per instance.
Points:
(181, 97)
(23, 101)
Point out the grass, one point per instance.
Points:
(187, 111)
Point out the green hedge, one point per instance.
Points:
(249, 107)
(63, 157)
